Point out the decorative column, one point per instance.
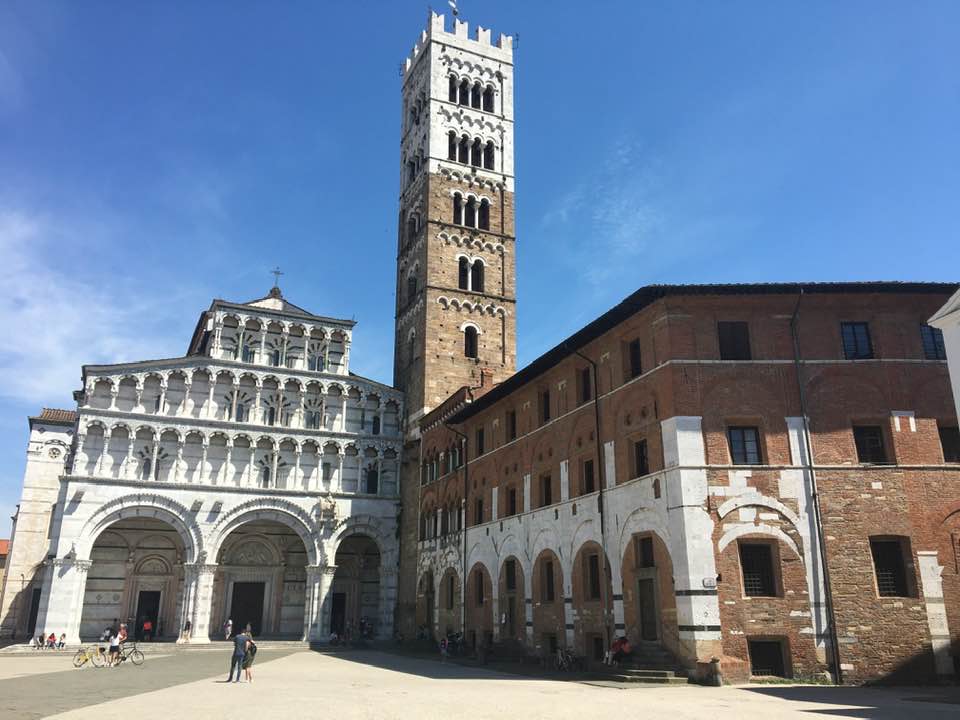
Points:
(345, 362)
(153, 459)
(114, 391)
(103, 451)
(296, 470)
(217, 336)
(312, 602)
(263, 346)
(284, 345)
(228, 463)
(197, 601)
(213, 389)
(327, 574)
(273, 467)
(301, 417)
(253, 457)
(382, 412)
(203, 462)
(129, 471)
(305, 360)
(233, 402)
(338, 485)
(61, 604)
(187, 389)
(343, 416)
(257, 414)
(379, 472)
(138, 402)
(161, 409)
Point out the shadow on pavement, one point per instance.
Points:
(870, 702)
(431, 667)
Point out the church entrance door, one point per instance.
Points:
(246, 606)
(338, 613)
(148, 608)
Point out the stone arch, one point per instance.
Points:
(762, 529)
(143, 505)
(276, 509)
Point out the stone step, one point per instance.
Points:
(648, 679)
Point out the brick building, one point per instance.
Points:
(652, 475)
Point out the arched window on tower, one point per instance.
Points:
(412, 348)
(411, 171)
(470, 341)
(470, 216)
(411, 228)
(489, 156)
(275, 358)
(145, 469)
(488, 99)
(411, 289)
(457, 209)
(271, 416)
(464, 93)
(484, 215)
(463, 150)
(475, 96)
(476, 151)
(463, 279)
(476, 276)
(452, 94)
(452, 146)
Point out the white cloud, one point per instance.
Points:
(56, 321)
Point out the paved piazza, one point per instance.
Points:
(378, 685)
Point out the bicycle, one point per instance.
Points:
(566, 661)
(128, 651)
(92, 654)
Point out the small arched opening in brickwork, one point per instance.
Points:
(355, 595)
(471, 342)
(547, 596)
(479, 611)
(512, 607)
(448, 610)
(649, 604)
(592, 601)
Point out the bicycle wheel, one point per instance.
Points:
(97, 658)
(80, 657)
(136, 657)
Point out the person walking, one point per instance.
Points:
(248, 659)
(147, 629)
(240, 641)
(443, 649)
(227, 629)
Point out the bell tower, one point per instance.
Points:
(456, 290)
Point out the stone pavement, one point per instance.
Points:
(369, 684)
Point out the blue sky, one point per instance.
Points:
(156, 155)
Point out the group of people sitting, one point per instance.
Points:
(50, 643)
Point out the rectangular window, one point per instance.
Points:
(641, 463)
(869, 442)
(478, 511)
(511, 425)
(587, 483)
(544, 406)
(548, 592)
(478, 581)
(592, 584)
(932, 338)
(890, 566)
(644, 552)
(744, 445)
(512, 502)
(584, 387)
(766, 658)
(734, 337)
(510, 570)
(633, 361)
(480, 446)
(546, 490)
(950, 443)
(756, 561)
(856, 340)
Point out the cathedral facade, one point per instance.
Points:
(254, 479)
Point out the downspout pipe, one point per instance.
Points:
(817, 512)
(604, 568)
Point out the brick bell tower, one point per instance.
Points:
(456, 291)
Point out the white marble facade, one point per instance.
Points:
(239, 468)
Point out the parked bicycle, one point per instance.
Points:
(128, 651)
(566, 661)
(92, 654)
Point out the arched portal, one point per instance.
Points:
(136, 575)
(261, 580)
(355, 596)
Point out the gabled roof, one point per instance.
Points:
(949, 308)
(649, 294)
(55, 416)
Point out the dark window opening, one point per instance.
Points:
(744, 445)
(584, 387)
(511, 425)
(457, 210)
(511, 502)
(950, 443)
(890, 566)
(411, 289)
(475, 96)
(479, 442)
(463, 274)
(470, 349)
(489, 156)
(470, 215)
(483, 221)
(488, 99)
(766, 657)
(587, 483)
(856, 340)
(476, 275)
(644, 549)
(592, 584)
(510, 571)
(933, 347)
(464, 95)
(548, 591)
(476, 153)
(546, 490)
(452, 91)
(544, 406)
(634, 359)
(463, 150)
(478, 511)
(641, 463)
(452, 146)
(869, 442)
(734, 339)
(756, 561)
